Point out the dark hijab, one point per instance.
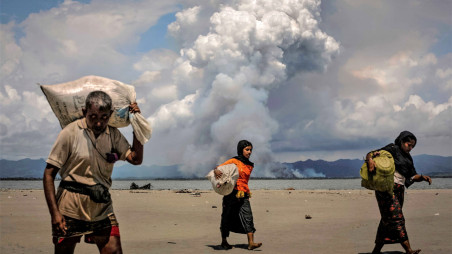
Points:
(403, 161)
(240, 146)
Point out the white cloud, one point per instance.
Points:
(428, 107)
(249, 49)
(175, 115)
(398, 73)
(380, 116)
(156, 60)
(64, 43)
(10, 52)
(192, 22)
(444, 73)
(27, 107)
(385, 80)
(77, 39)
(381, 106)
(10, 96)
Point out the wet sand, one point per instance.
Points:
(164, 221)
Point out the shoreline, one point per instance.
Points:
(164, 221)
(201, 178)
(255, 184)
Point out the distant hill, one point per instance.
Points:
(26, 168)
(432, 165)
(29, 168)
(331, 169)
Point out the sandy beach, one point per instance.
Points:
(163, 221)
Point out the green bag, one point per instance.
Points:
(382, 179)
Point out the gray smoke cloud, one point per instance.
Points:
(219, 85)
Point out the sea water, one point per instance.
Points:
(254, 184)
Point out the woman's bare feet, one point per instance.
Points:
(254, 246)
(251, 244)
(406, 245)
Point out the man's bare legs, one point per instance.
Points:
(67, 246)
(110, 245)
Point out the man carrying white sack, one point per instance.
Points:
(84, 154)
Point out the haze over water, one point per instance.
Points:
(270, 184)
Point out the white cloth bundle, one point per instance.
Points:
(68, 99)
(226, 183)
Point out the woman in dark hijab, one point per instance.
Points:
(392, 224)
(237, 216)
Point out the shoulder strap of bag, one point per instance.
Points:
(94, 145)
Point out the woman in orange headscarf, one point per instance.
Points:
(237, 216)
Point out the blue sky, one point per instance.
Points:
(303, 80)
(156, 36)
(18, 10)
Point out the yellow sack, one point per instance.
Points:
(382, 179)
(240, 194)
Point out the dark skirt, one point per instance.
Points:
(237, 216)
(392, 224)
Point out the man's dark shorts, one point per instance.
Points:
(90, 229)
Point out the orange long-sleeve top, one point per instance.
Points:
(244, 174)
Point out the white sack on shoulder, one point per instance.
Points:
(67, 100)
(224, 185)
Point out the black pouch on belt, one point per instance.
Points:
(98, 193)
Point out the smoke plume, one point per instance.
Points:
(233, 54)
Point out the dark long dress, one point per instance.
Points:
(392, 223)
(237, 216)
